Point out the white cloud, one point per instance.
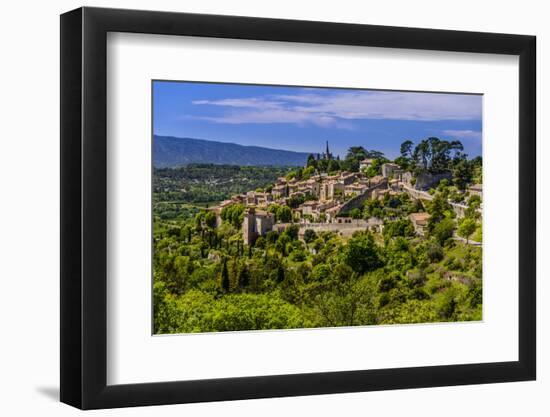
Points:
(335, 108)
(463, 134)
(271, 116)
(252, 102)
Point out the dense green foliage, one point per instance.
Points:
(206, 279)
(436, 156)
(350, 163)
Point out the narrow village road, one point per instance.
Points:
(469, 242)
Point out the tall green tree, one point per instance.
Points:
(435, 155)
(244, 277)
(466, 228)
(406, 149)
(357, 152)
(462, 173)
(311, 161)
(438, 208)
(309, 235)
(443, 230)
(284, 214)
(334, 165)
(224, 279)
(210, 219)
(280, 274)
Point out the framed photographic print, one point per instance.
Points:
(258, 207)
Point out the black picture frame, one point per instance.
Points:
(84, 207)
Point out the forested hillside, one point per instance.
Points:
(208, 183)
(206, 279)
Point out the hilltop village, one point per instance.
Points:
(327, 202)
(358, 240)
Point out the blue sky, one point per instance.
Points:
(302, 119)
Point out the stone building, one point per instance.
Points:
(314, 186)
(332, 213)
(292, 186)
(253, 198)
(310, 208)
(377, 180)
(420, 222)
(365, 163)
(354, 189)
(407, 178)
(256, 223)
(395, 185)
(335, 189)
(348, 178)
(279, 191)
(391, 170)
(476, 189)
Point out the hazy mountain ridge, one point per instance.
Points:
(169, 151)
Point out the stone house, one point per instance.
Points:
(279, 191)
(332, 212)
(335, 188)
(420, 222)
(476, 189)
(390, 169)
(292, 187)
(365, 163)
(355, 188)
(254, 198)
(407, 178)
(323, 192)
(309, 208)
(314, 186)
(395, 185)
(256, 223)
(380, 193)
(347, 178)
(378, 179)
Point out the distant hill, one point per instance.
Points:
(170, 152)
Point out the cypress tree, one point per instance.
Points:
(225, 277)
(244, 277)
(280, 274)
(234, 272)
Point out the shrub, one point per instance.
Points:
(434, 252)
(362, 253)
(443, 230)
(309, 235)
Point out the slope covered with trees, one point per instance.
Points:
(205, 184)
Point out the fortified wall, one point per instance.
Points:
(459, 209)
(345, 227)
